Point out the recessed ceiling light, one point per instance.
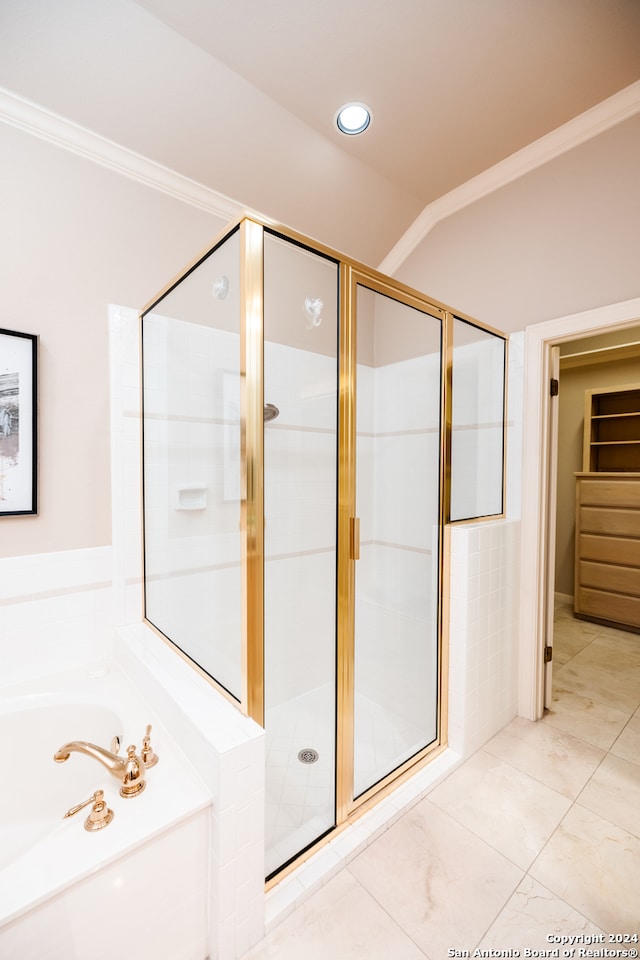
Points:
(353, 118)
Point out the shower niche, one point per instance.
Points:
(297, 441)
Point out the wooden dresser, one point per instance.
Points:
(607, 578)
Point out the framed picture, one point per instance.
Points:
(18, 423)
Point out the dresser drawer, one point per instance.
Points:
(609, 492)
(619, 550)
(609, 577)
(608, 606)
(609, 520)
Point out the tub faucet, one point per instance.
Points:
(129, 770)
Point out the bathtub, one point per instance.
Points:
(142, 881)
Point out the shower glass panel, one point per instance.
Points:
(191, 481)
(477, 436)
(300, 508)
(296, 483)
(398, 458)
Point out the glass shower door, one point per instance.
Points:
(300, 504)
(397, 579)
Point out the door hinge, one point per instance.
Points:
(548, 654)
(555, 386)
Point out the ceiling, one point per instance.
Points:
(454, 85)
(240, 95)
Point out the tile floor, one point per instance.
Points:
(537, 835)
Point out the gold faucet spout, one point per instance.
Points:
(113, 763)
(129, 770)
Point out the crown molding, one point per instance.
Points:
(598, 119)
(40, 122)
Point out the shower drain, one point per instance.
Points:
(308, 755)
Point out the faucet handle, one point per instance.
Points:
(149, 758)
(133, 781)
(100, 816)
(115, 744)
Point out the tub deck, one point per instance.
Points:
(47, 854)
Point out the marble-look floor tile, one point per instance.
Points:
(600, 680)
(615, 650)
(569, 638)
(627, 745)
(551, 756)
(532, 916)
(629, 639)
(508, 809)
(614, 793)
(595, 867)
(562, 654)
(592, 720)
(587, 628)
(341, 921)
(437, 880)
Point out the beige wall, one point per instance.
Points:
(557, 241)
(76, 237)
(573, 383)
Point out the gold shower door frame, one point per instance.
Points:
(351, 275)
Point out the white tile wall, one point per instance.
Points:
(483, 648)
(476, 444)
(515, 405)
(55, 612)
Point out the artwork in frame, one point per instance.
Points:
(18, 423)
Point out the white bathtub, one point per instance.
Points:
(143, 880)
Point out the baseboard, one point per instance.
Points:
(563, 598)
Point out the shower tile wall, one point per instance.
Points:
(300, 521)
(483, 649)
(484, 598)
(476, 445)
(300, 451)
(192, 478)
(398, 431)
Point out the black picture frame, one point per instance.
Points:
(18, 423)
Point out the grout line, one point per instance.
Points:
(56, 592)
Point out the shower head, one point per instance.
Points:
(270, 412)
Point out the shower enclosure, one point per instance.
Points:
(297, 438)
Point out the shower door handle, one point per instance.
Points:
(354, 538)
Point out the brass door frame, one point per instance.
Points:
(348, 806)
(252, 464)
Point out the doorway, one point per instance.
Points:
(604, 361)
(539, 516)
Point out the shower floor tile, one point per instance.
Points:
(300, 797)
